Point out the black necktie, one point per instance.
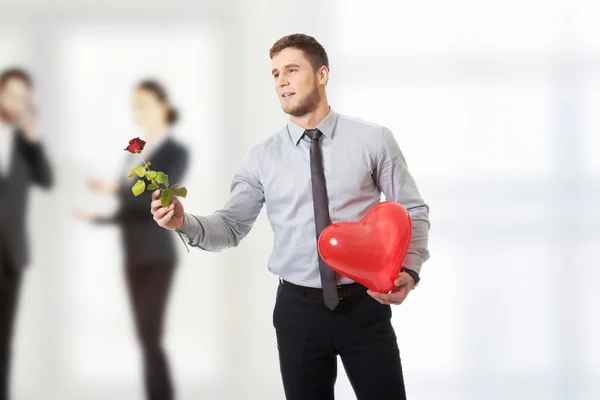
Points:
(322, 219)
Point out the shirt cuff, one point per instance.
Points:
(191, 230)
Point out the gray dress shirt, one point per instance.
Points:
(361, 161)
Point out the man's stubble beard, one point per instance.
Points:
(309, 104)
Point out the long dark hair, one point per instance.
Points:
(160, 92)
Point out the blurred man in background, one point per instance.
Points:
(23, 163)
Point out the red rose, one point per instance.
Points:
(135, 145)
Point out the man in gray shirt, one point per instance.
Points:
(322, 167)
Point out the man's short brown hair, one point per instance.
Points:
(316, 54)
(15, 73)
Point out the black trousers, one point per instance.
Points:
(310, 337)
(10, 286)
(149, 287)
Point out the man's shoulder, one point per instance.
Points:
(347, 121)
(273, 142)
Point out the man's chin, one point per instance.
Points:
(294, 112)
(287, 109)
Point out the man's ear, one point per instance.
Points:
(323, 75)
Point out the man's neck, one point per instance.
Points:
(313, 118)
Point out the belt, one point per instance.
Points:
(344, 291)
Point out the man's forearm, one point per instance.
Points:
(417, 252)
(228, 226)
(210, 233)
(396, 182)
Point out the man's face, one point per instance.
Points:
(14, 99)
(296, 83)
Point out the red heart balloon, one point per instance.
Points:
(369, 251)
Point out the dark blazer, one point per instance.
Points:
(145, 242)
(29, 166)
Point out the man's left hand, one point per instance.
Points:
(404, 284)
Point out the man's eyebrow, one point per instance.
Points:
(286, 67)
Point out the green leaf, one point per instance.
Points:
(152, 186)
(151, 175)
(181, 192)
(166, 197)
(148, 164)
(140, 171)
(131, 174)
(138, 188)
(161, 178)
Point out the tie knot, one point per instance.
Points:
(313, 134)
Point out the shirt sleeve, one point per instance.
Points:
(397, 184)
(228, 226)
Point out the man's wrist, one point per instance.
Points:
(185, 225)
(413, 274)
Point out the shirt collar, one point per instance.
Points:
(326, 126)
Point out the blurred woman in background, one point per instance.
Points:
(150, 253)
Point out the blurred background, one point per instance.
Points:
(494, 104)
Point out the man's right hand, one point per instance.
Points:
(168, 217)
